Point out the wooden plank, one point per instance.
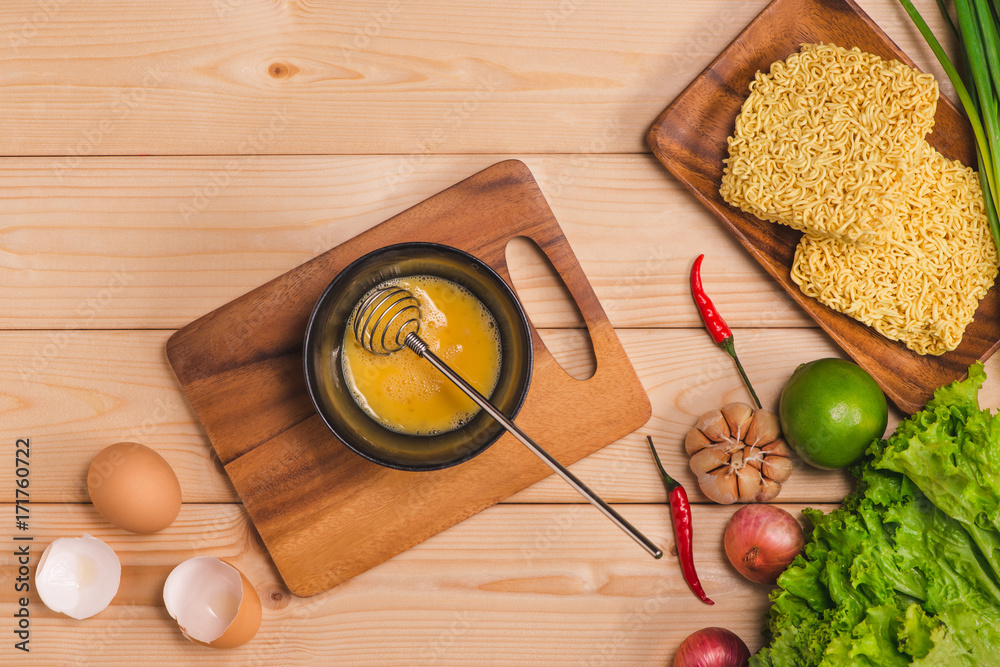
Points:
(245, 77)
(158, 242)
(239, 76)
(101, 387)
(568, 584)
(72, 393)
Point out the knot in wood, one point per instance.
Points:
(276, 598)
(280, 70)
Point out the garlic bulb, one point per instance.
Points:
(738, 455)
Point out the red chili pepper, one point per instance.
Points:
(721, 334)
(680, 514)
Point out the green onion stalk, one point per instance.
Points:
(979, 92)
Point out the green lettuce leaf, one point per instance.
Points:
(951, 451)
(905, 572)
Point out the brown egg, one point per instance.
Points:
(134, 488)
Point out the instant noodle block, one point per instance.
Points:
(824, 141)
(691, 138)
(831, 142)
(923, 284)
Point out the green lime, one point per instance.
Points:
(830, 411)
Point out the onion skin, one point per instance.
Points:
(712, 647)
(761, 541)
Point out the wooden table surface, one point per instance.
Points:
(160, 159)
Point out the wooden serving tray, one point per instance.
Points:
(689, 138)
(325, 513)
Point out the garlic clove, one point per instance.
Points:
(749, 484)
(736, 459)
(768, 491)
(719, 486)
(763, 429)
(738, 416)
(732, 445)
(708, 459)
(777, 447)
(695, 441)
(714, 426)
(753, 457)
(778, 468)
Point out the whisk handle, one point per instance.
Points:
(415, 343)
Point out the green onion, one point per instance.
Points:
(979, 93)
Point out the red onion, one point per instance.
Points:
(712, 647)
(761, 540)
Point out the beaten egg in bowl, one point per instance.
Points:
(405, 393)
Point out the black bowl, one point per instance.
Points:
(332, 397)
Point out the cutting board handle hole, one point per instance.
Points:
(551, 308)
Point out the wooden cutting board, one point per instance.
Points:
(326, 514)
(689, 138)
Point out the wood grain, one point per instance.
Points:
(560, 578)
(690, 138)
(248, 77)
(108, 386)
(153, 243)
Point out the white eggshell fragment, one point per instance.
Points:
(78, 576)
(212, 602)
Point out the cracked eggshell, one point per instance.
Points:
(78, 576)
(134, 488)
(213, 603)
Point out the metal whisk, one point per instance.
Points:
(388, 320)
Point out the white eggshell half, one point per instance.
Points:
(206, 596)
(78, 576)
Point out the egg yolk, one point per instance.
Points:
(405, 393)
